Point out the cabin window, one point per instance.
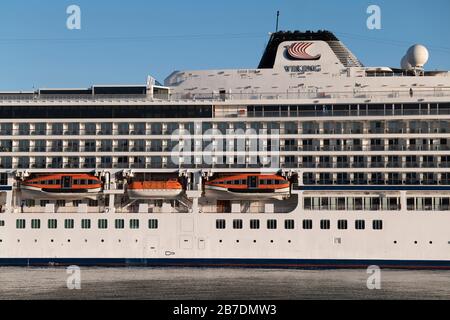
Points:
(61, 203)
(271, 224)
(342, 224)
(20, 223)
(76, 203)
(307, 224)
(237, 224)
(360, 224)
(289, 224)
(43, 203)
(35, 223)
(220, 224)
(307, 203)
(68, 223)
(52, 223)
(102, 223)
(119, 223)
(153, 224)
(92, 203)
(254, 224)
(134, 224)
(85, 223)
(325, 224)
(377, 224)
(2, 223)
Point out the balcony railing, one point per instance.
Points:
(194, 96)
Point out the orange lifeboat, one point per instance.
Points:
(62, 186)
(154, 189)
(248, 186)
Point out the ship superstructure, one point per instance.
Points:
(312, 159)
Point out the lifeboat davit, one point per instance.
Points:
(155, 189)
(62, 186)
(248, 187)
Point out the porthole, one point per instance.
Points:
(51, 240)
(68, 240)
(254, 241)
(271, 241)
(85, 240)
(289, 241)
(103, 240)
(415, 242)
(220, 241)
(395, 242)
(237, 241)
(18, 240)
(35, 240)
(431, 242)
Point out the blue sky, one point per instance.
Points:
(121, 42)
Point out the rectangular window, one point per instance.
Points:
(120, 223)
(85, 223)
(342, 224)
(76, 203)
(307, 224)
(2, 223)
(102, 223)
(153, 224)
(134, 224)
(92, 203)
(271, 224)
(69, 224)
(43, 203)
(20, 223)
(35, 224)
(60, 203)
(325, 224)
(52, 223)
(377, 224)
(237, 224)
(254, 224)
(289, 224)
(360, 224)
(220, 224)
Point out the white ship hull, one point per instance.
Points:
(192, 240)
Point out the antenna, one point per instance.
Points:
(278, 17)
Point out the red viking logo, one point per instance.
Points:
(297, 51)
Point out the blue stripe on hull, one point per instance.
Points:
(232, 263)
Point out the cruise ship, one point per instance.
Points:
(311, 160)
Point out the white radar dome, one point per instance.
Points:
(404, 64)
(417, 56)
